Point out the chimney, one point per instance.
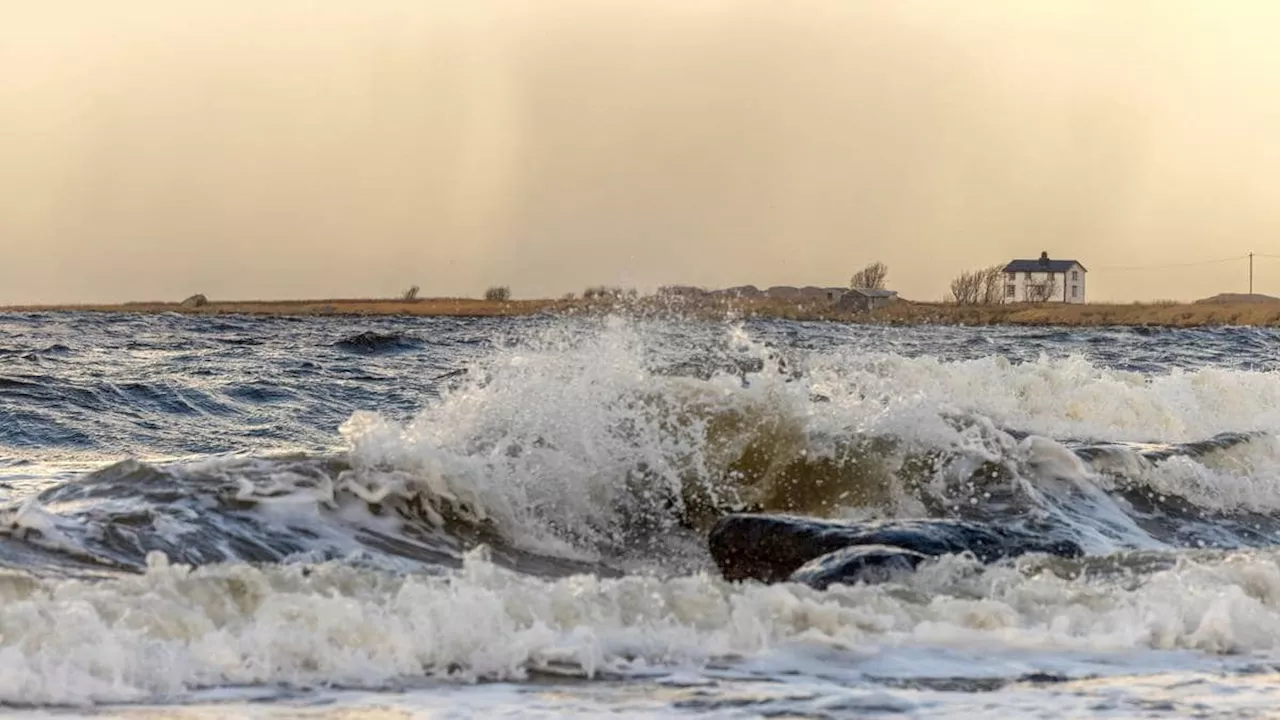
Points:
(1044, 259)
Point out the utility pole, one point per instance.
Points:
(1251, 272)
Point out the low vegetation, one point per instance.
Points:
(417, 306)
(1254, 310)
(979, 287)
(1063, 314)
(602, 292)
(500, 293)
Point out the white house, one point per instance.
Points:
(1044, 280)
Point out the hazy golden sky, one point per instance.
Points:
(308, 148)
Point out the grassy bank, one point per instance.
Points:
(1158, 315)
(1164, 314)
(443, 307)
(1253, 313)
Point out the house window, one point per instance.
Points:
(1010, 290)
(1075, 291)
(1075, 274)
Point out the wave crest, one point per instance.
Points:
(605, 448)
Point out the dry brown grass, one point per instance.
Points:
(421, 306)
(1156, 314)
(1161, 314)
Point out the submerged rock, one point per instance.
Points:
(372, 342)
(857, 563)
(774, 548)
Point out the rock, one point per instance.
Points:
(857, 563)
(771, 548)
(195, 301)
(372, 342)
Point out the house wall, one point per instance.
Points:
(1064, 288)
(854, 301)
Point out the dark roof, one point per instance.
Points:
(1038, 266)
(873, 293)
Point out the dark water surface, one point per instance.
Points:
(257, 511)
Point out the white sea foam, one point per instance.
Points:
(156, 636)
(580, 444)
(567, 436)
(563, 441)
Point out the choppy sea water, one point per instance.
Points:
(393, 517)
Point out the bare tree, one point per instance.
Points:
(1040, 292)
(966, 288)
(500, 293)
(992, 285)
(410, 295)
(979, 287)
(870, 277)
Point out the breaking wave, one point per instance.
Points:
(557, 493)
(597, 448)
(173, 630)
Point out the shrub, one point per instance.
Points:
(498, 293)
(870, 277)
(411, 294)
(600, 292)
(979, 287)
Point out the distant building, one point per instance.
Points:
(809, 293)
(863, 300)
(822, 294)
(1044, 280)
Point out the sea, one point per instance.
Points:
(209, 516)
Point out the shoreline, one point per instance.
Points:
(903, 312)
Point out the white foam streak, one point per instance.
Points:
(1244, 477)
(158, 635)
(1068, 397)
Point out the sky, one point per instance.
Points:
(152, 149)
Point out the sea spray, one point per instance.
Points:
(523, 500)
(611, 445)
